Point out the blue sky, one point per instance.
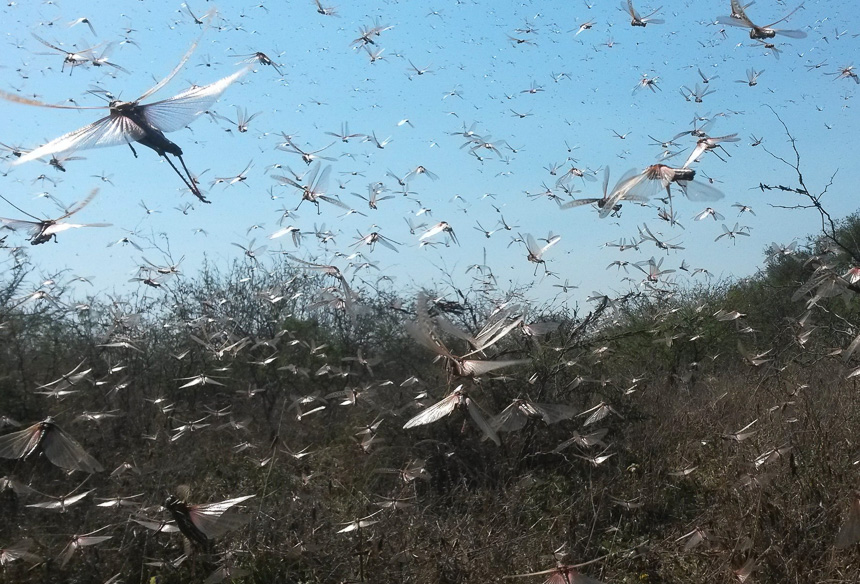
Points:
(477, 75)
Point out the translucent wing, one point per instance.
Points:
(571, 576)
(18, 551)
(220, 507)
(588, 440)
(533, 247)
(108, 131)
(553, 413)
(287, 180)
(26, 101)
(510, 419)
(485, 341)
(495, 323)
(697, 191)
(849, 350)
(174, 113)
(644, 189)
(577, 203)
(482, 423)
(182, 61)
(215, 526)
(732, 21)
(61, 503)
(624, 185)
(786, 17)
(449, 327)
(477, 368)
(86, 540)
(47, 504)
(738, 10)
(792, 34)
(157, 526)
(605, 181)
(438, 228)
(540, 328)
(60, 227)
(80, 541)
(78, 206)
(435, 412)
(319, 184)
(631, 10)
(388, 243)
(553, 240)
(14, 224)
(737, 18)
(420, 334)
(20, 444)
(11, 483)
(283, 231)
(694, 538)
(63, 451)
(850, 532)
(334, 201)
(598, 413)
(216, 519)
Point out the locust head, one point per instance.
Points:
(119, 107)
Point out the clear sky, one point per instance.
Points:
(477, 75)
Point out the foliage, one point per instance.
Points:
(756, 458)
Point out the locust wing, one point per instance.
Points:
(111, 130)
(21, 443)
(482, 423)
(63, 451)
(435, 412)
(216, 519)
(174, 113)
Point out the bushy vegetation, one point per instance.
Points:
(715, 431)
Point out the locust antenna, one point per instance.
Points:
(20, 209)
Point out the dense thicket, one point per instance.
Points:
(736, 429)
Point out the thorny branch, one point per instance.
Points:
(828, 225)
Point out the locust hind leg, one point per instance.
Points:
(189, 182)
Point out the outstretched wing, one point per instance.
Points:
(108, 131)
(435, 412)
(216, 519)
(738, 17)
(631, 10)
(698, 191)
(27, 101)
(553, 413)
(174, 113)
(60, 227)
(208, 19)
(482, 423)
(78, 206)
(33, 227)
(621, 191)
(511, 419)
(475, 368)
(576, 203)
(786, 17)
(21, 443)
(63, 451)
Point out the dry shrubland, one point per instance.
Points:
(724, 444)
